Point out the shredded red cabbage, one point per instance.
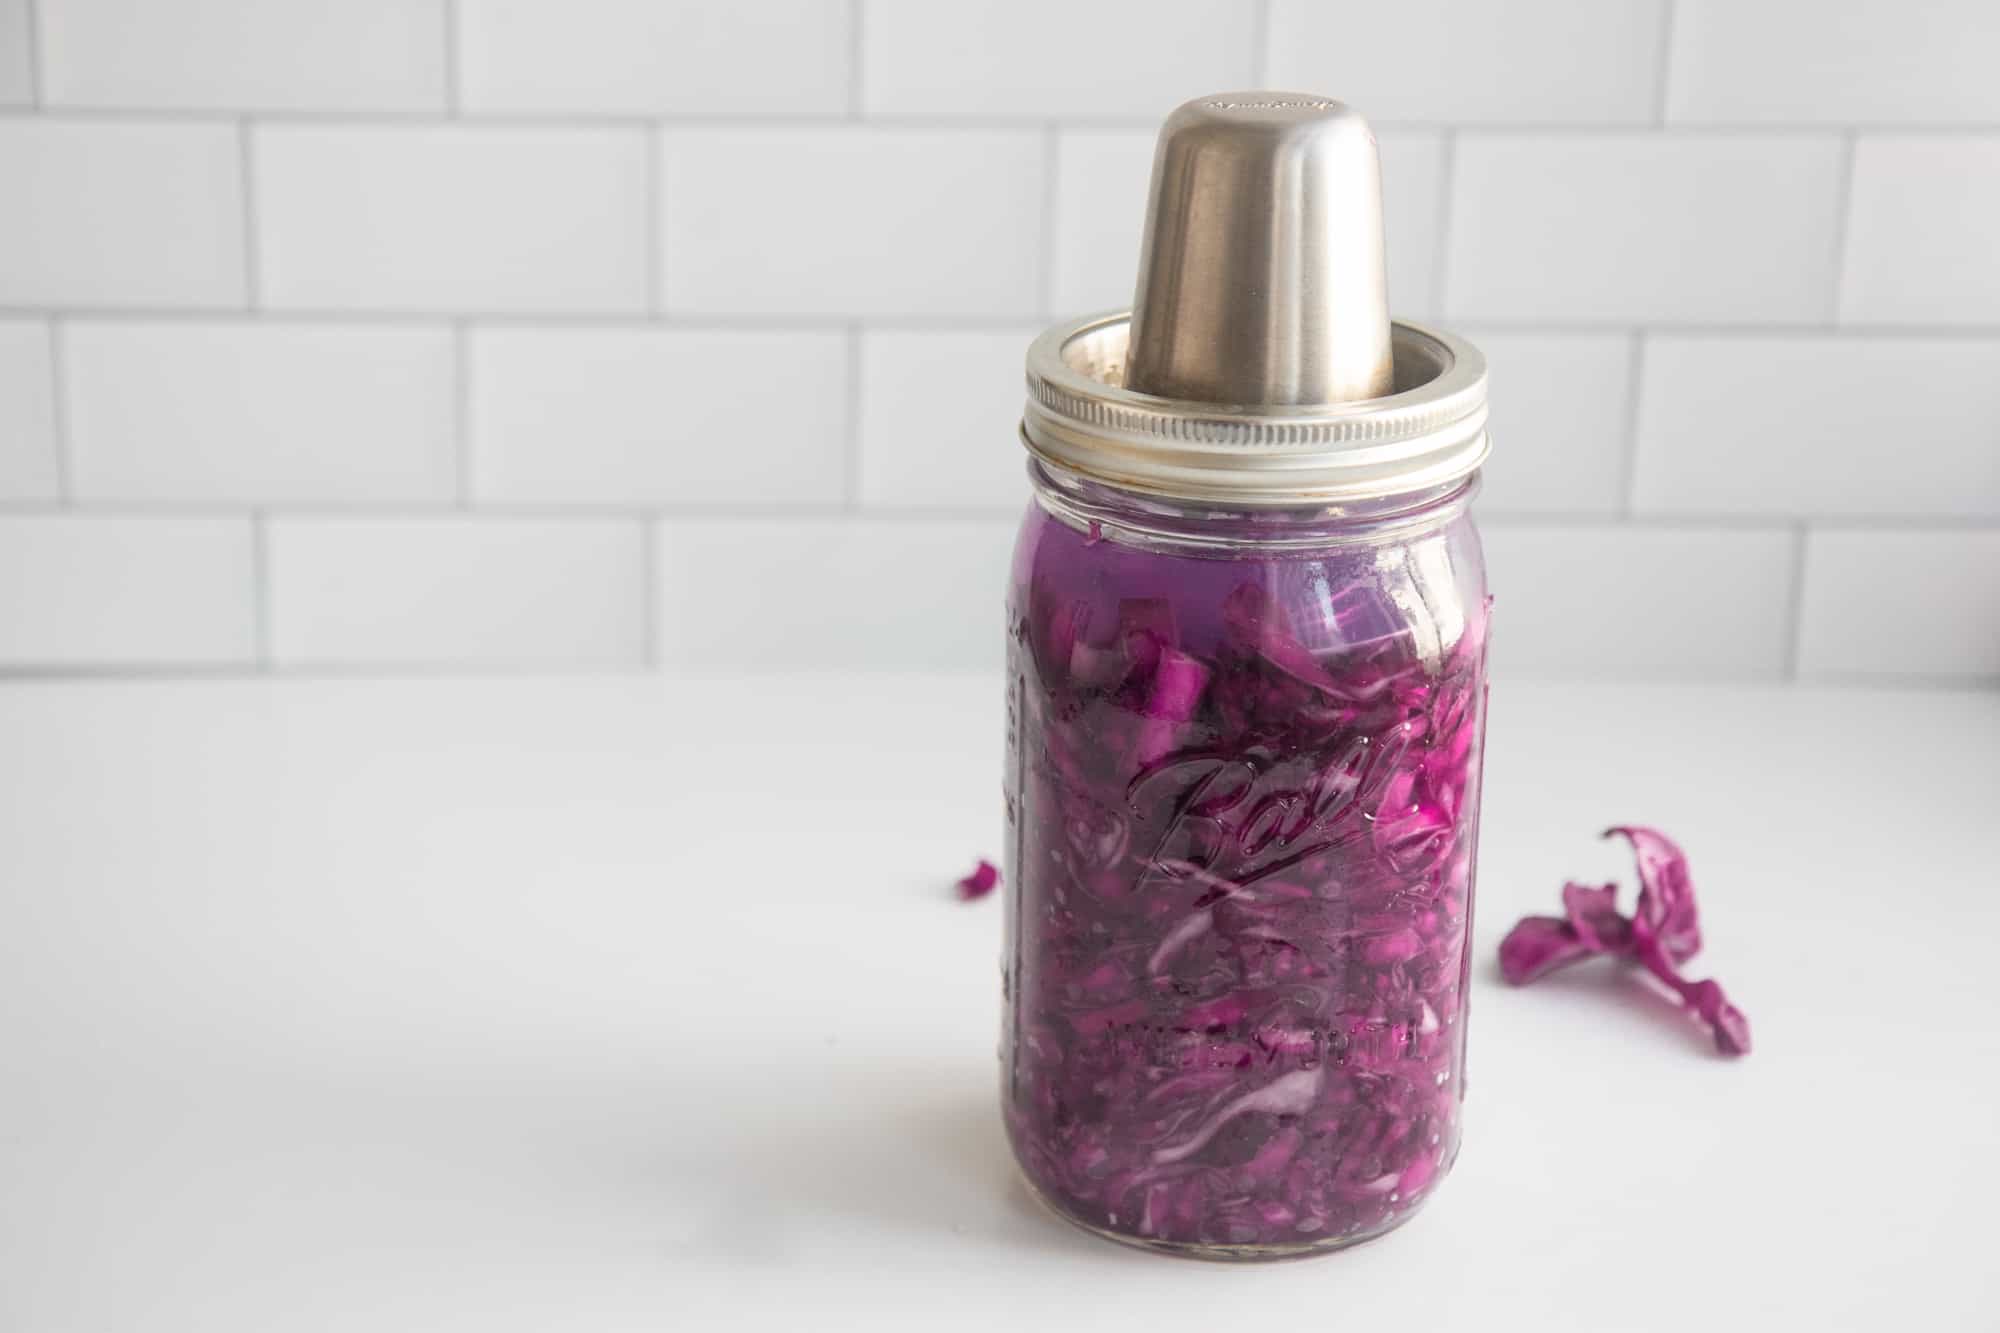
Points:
(1241, 890)
(980, 882)
(1663, 933)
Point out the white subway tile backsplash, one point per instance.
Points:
(940, 417)
(1858, 62)
(475, 219)
(1616, 227)
(887, 594)
(98, 592)
(1901, 603)
(481, 591)
(1920, 237)
(1815, 425)
(1651, 603)
(1473, 60)
(357, 55)
(259, 413)
(1046, 58)
(638, 416)
(1561, 417)
(109, 213)
(1103, 180)
(17, 62)
(27, 413)
(1412, 204)
(641, 57)
(839, 221)
(505, 315)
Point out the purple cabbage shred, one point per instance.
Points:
(1662, 934)
(980, 882)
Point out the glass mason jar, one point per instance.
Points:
(1245, 709)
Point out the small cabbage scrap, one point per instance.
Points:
(980, 882)
(1663, 933)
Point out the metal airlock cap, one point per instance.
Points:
(1259, 364)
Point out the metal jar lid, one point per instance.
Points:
(1259, 365)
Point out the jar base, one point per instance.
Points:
(1219, 1252)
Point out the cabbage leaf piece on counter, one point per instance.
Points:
(980, 882)
(1662, 934)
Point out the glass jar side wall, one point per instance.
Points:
(1243, 773)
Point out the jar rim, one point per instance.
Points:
(1429, 432)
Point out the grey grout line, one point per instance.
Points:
(1022, 120)
(454, 96)
(1647, 129)
(88, 675)
(851, 471)
(1714, 521)
(59, 416)
(37, 93)
(1664, 71)
(461, 415)
(95, 675)
(857, 19)
(1850, 679)
(1628, 485)
(1795, 601)
(655, 239)
(451, 672)
(649, 593)
(1447, 218)
(507, 511)
(253, 253)
(1843, 213)
(260, 585)
(1747, 329)
(1045, 274)
(1260, 69)
(448, 672)
(1029, 322)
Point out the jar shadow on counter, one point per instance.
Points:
(935, 1164)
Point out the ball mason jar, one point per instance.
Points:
(1246, 697)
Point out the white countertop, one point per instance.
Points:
(644, 1004)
